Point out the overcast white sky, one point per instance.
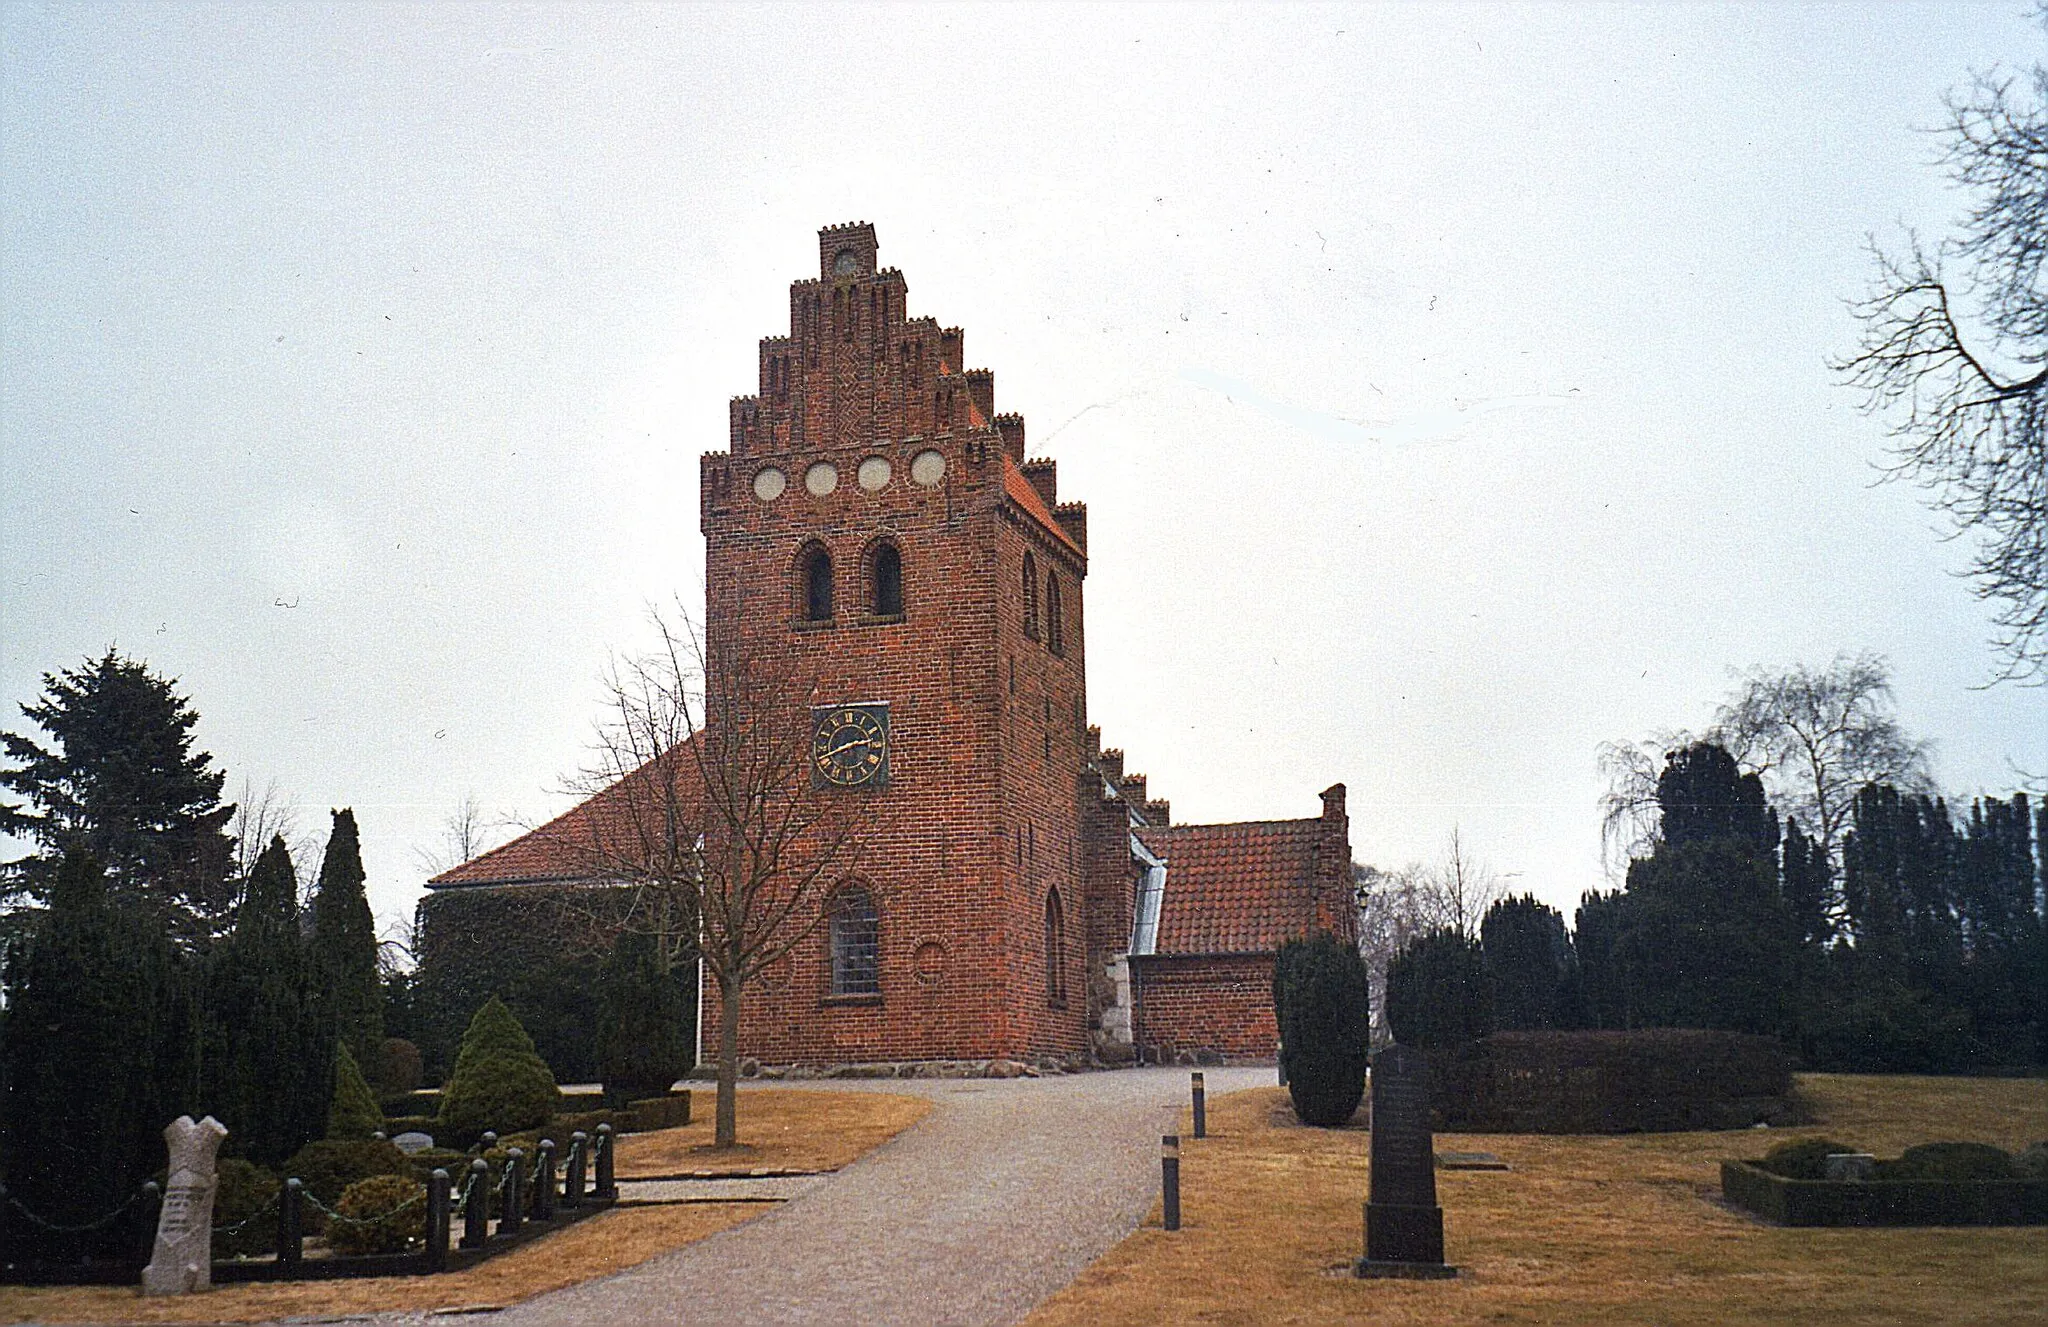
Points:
(1448, 384)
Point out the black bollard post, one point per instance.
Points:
(1201, 1107)
(1169, 1179)
(291, 1228)
(579, 1157)
(476, 1206)
(145, 1220)
(488, 1141)
(607, 1189)
(515, 1207)
(437, 1221)
(544, 1180)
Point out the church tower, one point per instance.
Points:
(876, 520)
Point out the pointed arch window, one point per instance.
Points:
(1055, 949)
(1031, 596)
(885, 580)
(1055, 628)
(855, 934)
(814, 584)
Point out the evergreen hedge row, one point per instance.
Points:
(1790, 1202)
(1653, 1080)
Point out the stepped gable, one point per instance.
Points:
(1246, 887)
(589, 841)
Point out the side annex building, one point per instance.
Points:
(1023, 897)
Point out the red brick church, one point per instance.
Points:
(1024, 897)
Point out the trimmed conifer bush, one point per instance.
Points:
(330, 1165)
(1323, 1003)
(381, 1214)
(244, 1211)
(499, 1082)
(1806, 1159)
(1438, 992)
(354, 1112)
(1954, 1162)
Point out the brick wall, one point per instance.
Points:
(1190, 1004)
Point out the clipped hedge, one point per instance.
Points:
(1655, 1080)
(1884, 1202)
(1804, 1158)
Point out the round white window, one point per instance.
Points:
(928, 468)
(821, 479)
(874, 474)
(769, 483)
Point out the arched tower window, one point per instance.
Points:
(855, 935)
(1055, 949)
(1055, 630)
(814, 584)
(1031, 596)
(885, 580)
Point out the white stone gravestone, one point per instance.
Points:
(182, 1261)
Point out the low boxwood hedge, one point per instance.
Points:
(1884, 1202)
(1652, 1080)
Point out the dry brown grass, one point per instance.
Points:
(785, 1129)
(1582, 1230)
(792, 1130)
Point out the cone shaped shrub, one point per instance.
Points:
(1325, 1013)
(499, 1082)
(354, 1112)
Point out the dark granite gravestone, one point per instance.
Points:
(1404, 1228)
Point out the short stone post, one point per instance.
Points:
(290, 1223)
(182, 1260)
(1201, 1107)
(544, 1180)
(607, 1190)
(476, 1209)
(1169, 1180)
(437, 1221)
(488, 1141)
(515, 1206)
(579, 1157)
(1404, 1228)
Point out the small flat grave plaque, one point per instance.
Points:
(1469, 1161)
(1404, 1228)
(413, 1142)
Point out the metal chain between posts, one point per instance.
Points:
(333, 1215)
(461, 1204)
(57, 1229)
(268, 1203)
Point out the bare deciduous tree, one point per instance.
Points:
(1970, 407)
(702, 804)
(463, 836)
(1817, 737)
(1398, 905)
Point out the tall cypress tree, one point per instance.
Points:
(265, 1069)
(1805, 881)
(93, 1060)
(347, 999)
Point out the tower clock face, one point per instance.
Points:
(850, 746)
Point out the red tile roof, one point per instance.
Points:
(588, 840)
(1235, 889)
(1018, 489)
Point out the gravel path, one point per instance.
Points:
(998, 1198)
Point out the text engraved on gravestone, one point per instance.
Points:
(1404, 1233)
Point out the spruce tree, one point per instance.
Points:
(93, 1061)
(641, 1051)
(1804, 882)
(120, 780)
(348, 1001)
(267, 1069)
